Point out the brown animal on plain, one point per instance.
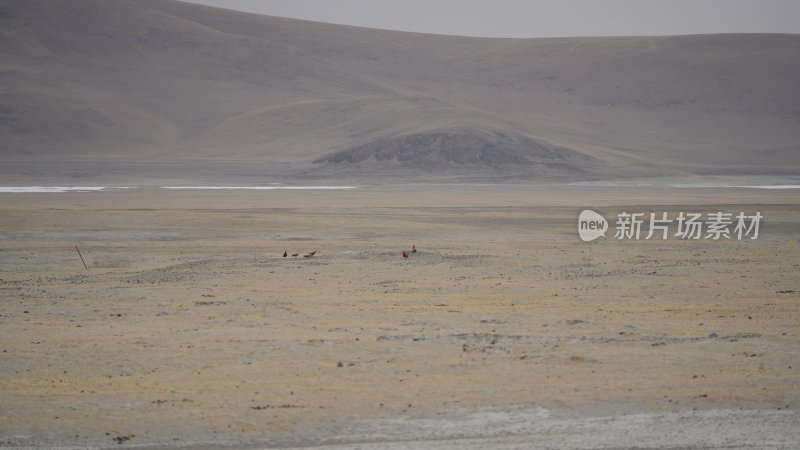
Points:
(309, 255)
(414, 248)
(405, 254)
(285, 254)
(294, 255)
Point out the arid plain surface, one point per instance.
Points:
(189, 328)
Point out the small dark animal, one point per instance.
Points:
(414, 248)
(405, 254)
(285, 254)
(294, 255)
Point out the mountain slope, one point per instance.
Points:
(160, 80)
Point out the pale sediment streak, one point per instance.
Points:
(514, 428)
(62, 189)
(776, 186)
(54, 189)
(261, 188)
(605, 184)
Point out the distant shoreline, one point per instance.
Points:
(87, 189)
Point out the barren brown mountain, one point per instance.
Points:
(157, 81)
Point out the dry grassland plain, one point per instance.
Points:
(189, 328)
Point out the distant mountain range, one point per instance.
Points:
(162, 80)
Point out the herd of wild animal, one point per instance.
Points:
(306, 255)
(311, 254)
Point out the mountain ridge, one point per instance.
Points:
(165, 80)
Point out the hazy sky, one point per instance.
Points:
(538, 18)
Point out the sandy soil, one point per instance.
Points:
(504, 330)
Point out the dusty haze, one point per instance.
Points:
(147, 317)
(539, 18)
(152, 81)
